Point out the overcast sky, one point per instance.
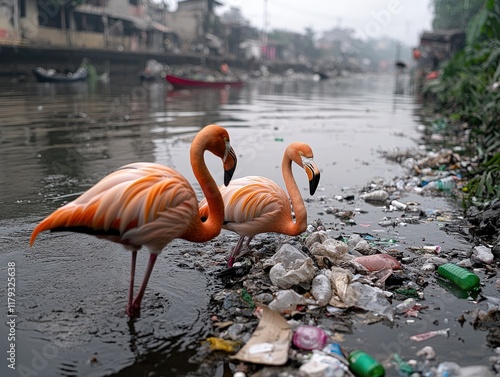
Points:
(400, 19)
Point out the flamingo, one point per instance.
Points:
(254, 204)
(148, 204)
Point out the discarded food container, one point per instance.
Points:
(309, 338)
(363, 365)
(462, 277)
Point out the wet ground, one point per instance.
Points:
(71, 289)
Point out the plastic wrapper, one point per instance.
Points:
(343, 295)
(377, 262)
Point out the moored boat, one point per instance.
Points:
(50, 75)
(183, 83)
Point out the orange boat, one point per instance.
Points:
(183, 83)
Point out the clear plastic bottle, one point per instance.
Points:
(448, 369)
(309, 338)
(462, 277)
(363, 365)
(405, 305)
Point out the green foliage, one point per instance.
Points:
(454, 14)
(485, 24)
(484, 187)
(468, 91)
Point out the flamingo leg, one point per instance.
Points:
(131, 287)
(235, 251)
(135, 309)
(248, 241)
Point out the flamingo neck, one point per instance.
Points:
(205, 231)
(300, 224)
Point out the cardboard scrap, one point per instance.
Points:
(270, 341)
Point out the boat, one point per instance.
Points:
(183, 83)
(51, 75)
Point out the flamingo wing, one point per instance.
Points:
(253, 205)
(139, 204)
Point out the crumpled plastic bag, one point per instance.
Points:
(332, 249)
(290, 267)
(372, 299)
(319, 236)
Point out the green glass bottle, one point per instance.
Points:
(363, 365)
(462, 277)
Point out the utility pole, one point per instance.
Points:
(264, 28)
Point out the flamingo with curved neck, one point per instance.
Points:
(254, 204)
(147, 204)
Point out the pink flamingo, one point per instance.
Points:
(147, 204)
(254, 205)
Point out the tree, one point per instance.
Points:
(454, 14)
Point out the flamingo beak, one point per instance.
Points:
(313, 175)
(230, 162)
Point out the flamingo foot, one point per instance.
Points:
(230, 262)
(134, 310)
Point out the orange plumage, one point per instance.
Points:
(254, 205)
(147, 204)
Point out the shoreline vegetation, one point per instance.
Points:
(462, 108)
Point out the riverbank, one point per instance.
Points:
(18, 61)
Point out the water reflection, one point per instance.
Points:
(58, 140)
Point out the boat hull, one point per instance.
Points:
(183, 83)
(43, 75)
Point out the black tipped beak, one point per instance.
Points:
(229, 166)
(228, 175)
(313, 183)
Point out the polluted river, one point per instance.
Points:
(67, 313)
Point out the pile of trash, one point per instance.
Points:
(270, 320)
(286, 308)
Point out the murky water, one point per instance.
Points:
(58, 140)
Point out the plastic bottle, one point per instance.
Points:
(462, 277)
(363, 365)
(309, 338)
(448, 369)
(405, 305)
(442, 184)
(398, 205)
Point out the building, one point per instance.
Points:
(124, 25)
(199, 26)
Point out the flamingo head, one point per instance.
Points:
(217, 142)
(302, 155)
